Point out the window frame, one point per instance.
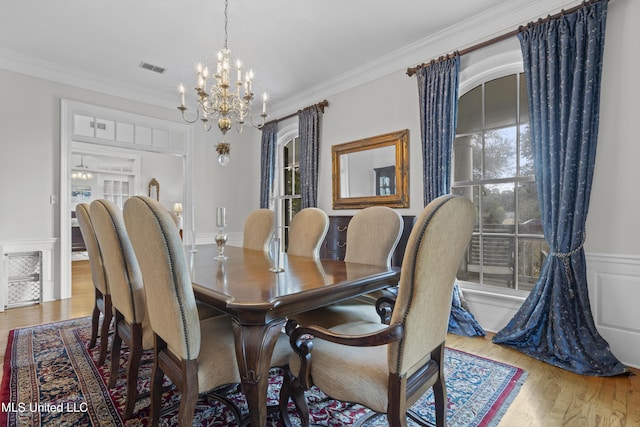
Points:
(476, 68)
(285, 135)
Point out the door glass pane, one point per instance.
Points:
(498, 208)
(524, 101)
(531, 255)
(468, 106)
(528, 209)
(526, 152)
(500, 153)
(500, 102)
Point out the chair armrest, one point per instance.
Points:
(385, 304)
(301, 340)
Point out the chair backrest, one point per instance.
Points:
(434, 250)
(307, 231)
(93, 250)
(165, 271)
(258, 230)
(120, 263)
(373, 235)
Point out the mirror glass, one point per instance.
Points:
(371, 171)
(368, 173)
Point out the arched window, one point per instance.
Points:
(288, 170)
(493, 167)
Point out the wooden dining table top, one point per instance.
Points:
(244, 286)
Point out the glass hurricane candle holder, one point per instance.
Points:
(221, 241)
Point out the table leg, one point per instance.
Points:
(254, 348)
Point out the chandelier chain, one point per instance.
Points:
(226, 24)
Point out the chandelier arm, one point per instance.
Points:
(183, 109)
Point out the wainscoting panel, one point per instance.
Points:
(614, 292)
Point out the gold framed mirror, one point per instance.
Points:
(372, 172)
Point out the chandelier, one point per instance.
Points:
(83, 173)
(218, 97)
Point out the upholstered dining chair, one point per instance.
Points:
(197, 355)
(307, 231)
(372, 237)
(127, 295)
(388, 367)
(258, 230)
(102, 302)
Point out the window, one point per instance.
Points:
(493, 167)
(289, 192)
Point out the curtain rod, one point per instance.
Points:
(412, 70)
(321, 104)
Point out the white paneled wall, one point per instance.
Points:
(614, 294)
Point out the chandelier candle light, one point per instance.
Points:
(216, 98)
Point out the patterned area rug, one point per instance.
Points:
(50, 378)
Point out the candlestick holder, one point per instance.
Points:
(221, 241)
(275, 247)
(193, 249)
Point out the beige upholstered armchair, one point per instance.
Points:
(196, 355)
(388, 367)
(372, 237)
(307, 231)
(102, 302)
(258, 230)
(125, 283)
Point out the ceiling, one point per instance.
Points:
(296, 48)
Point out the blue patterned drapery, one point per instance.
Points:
(309, 131)
(438, 97)
(563, 65)
(268, 152)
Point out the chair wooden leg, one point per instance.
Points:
(135, 354)
(104, 331)
(189, 393)
(297, 395)
(440, 388)
(95, 319)
(157, 376)
(285, 393)
(115, 351)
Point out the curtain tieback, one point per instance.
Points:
(565, 257)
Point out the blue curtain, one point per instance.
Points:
(268, 153)
(309, 131)
(562, 65)
(438, 97)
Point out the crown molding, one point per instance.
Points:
(509, 15)
(504, 18)
(46, 70)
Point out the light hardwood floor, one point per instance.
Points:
(549, 396)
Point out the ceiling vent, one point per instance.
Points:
(151, 67)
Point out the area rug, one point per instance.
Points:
(50, 378)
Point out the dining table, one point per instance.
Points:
(259, 301)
